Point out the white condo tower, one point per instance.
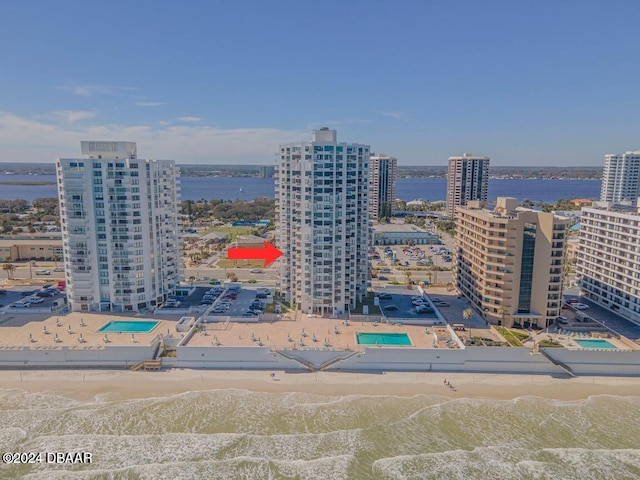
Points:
(120, 229)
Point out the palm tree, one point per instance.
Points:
(467, 314)
(191, 280)
(9, 268)
(55, 259)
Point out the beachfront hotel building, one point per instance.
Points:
(322, 212)
(621, 177)
(120, 230)
(608, 257)
(510, 262)
(467, 180)
(382, 188)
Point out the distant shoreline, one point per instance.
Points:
(30, 184)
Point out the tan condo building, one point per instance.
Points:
(510, 262)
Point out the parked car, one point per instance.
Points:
(441, 304)
(257, 270)
(28, 293)
(390, 308)
(35, 299)
(58, 269)
(21, 304)
(45, 294)
(562, 319)
(580, 306)
(424, 309)
(43, 272)
(384, 296)
(249, 313)
(382, 277)
(418, 302)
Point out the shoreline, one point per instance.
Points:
(88, 385)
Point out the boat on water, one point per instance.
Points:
(241, 190)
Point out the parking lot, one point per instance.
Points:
(239, 306)
(19, 293)
(609, 319)
(401, 298)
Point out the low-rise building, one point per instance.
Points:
(19, 248)
(402, 234)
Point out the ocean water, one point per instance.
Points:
(196, 188)
(235, 434)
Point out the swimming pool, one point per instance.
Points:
(129, 326)
(397, 339)
(597, 343)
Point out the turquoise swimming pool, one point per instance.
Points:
(595, 343)
(129, 326)
(396, 339)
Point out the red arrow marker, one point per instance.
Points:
(269, 253)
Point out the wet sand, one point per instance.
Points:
(89, 384)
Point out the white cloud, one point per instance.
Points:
(149, 104)
(30, 140)
(189, 119)
(395, 115)
(336, 123)
(72, 116)
(90, 90)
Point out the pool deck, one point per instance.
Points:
(15, 331)
(275, 334)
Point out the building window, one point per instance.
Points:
(526, 267)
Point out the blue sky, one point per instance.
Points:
(525, 82)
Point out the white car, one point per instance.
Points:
(34, 300)
(21, 304)
(580, 306)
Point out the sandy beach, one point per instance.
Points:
(87, 384)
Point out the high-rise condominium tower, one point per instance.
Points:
(608, 265)
(119, 228)
(467, 179)
(510, 262)
(621, 178)
(382, 194)
(323, 222)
